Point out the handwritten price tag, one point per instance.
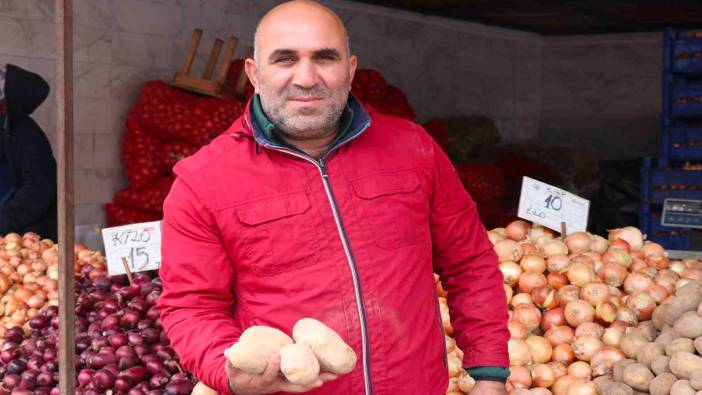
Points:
(550, 206)
(139, 244)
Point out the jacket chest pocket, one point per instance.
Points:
(279, 234)
(393, 207)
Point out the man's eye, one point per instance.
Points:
(284, 60)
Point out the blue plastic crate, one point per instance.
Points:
(684, 144)
(660, 184)
(686, 99)
(682, 51)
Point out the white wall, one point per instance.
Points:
(445, 67)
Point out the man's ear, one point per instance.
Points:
(353, 63)
(250, 69)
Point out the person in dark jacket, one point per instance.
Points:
(27, 165)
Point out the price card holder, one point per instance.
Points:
(552, 207)
(138, 244)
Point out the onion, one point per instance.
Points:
(584, 347)
(677, 267)
(529, 248)
(603, 360)
(658, 261)
(578, 242)
(563, 353)
(545, 297)
(692, 274)
(627, 315)
(521, 298)
(531, 280)
(529, 315)
(508, 292)
(583, 387)
(562, 385)
(642, 304)
(543, 375)
(558, 335)
(517, 330)
(568, 294)
(510, 272)
(559, 368)
(622, 245)
(617, 255)
(508, 250)
(599, 244)
(666, 279)
(605, 312)
(519, 352)
(517, 230)
(519, 377)
(594, 293)
(612, 337)
(630, 234)
(613, 274)
(589, 328)
(537, 231)
(637, 264)
(554, 247)
(533, 263)
(650, 248)
(578, 311)
(580, 274)
(557, 280)
(551, 318)
(541, 349)
(637, 282)
(557, 263)
(495, 237)
(580, 370)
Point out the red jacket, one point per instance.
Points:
(258, 234)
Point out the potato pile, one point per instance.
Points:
(670, 362)
(593, 315)
(316, 348)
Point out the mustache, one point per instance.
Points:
(317, 91)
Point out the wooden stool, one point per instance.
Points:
(207, 85)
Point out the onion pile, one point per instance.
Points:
(574, 301)
(120, 345)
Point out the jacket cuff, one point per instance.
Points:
(489, 373)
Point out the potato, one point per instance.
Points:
(648, 329)
(465, 382)
(619, 389)
(698, 345)
(686, 299)
(333, 354)
(682, 387)
(678, 345)
(684, 363)
(648, 352)
(637, 376)
(699, 309)
(618, 369)
(201, 389)
(659, 315)
(255, 346)
(660, 364)
(662, 383)
(696, 380)
(632, 342)
(298, 364)
(666, 337)
(689, 326)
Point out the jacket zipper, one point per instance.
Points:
(347, 250)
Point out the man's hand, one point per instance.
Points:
(485, 387)
(270, 381)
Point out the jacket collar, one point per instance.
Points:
(360, 121)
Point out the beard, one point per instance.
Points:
(308, 122)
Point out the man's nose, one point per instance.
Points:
(306, 75)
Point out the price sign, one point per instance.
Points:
(139, 244)
(551, 206)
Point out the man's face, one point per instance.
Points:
(303, 74)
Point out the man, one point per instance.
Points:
(309, 206)
(27, 166)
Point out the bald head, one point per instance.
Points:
(297, 13)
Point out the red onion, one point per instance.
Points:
(104, 379)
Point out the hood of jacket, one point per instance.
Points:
(24, 92)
